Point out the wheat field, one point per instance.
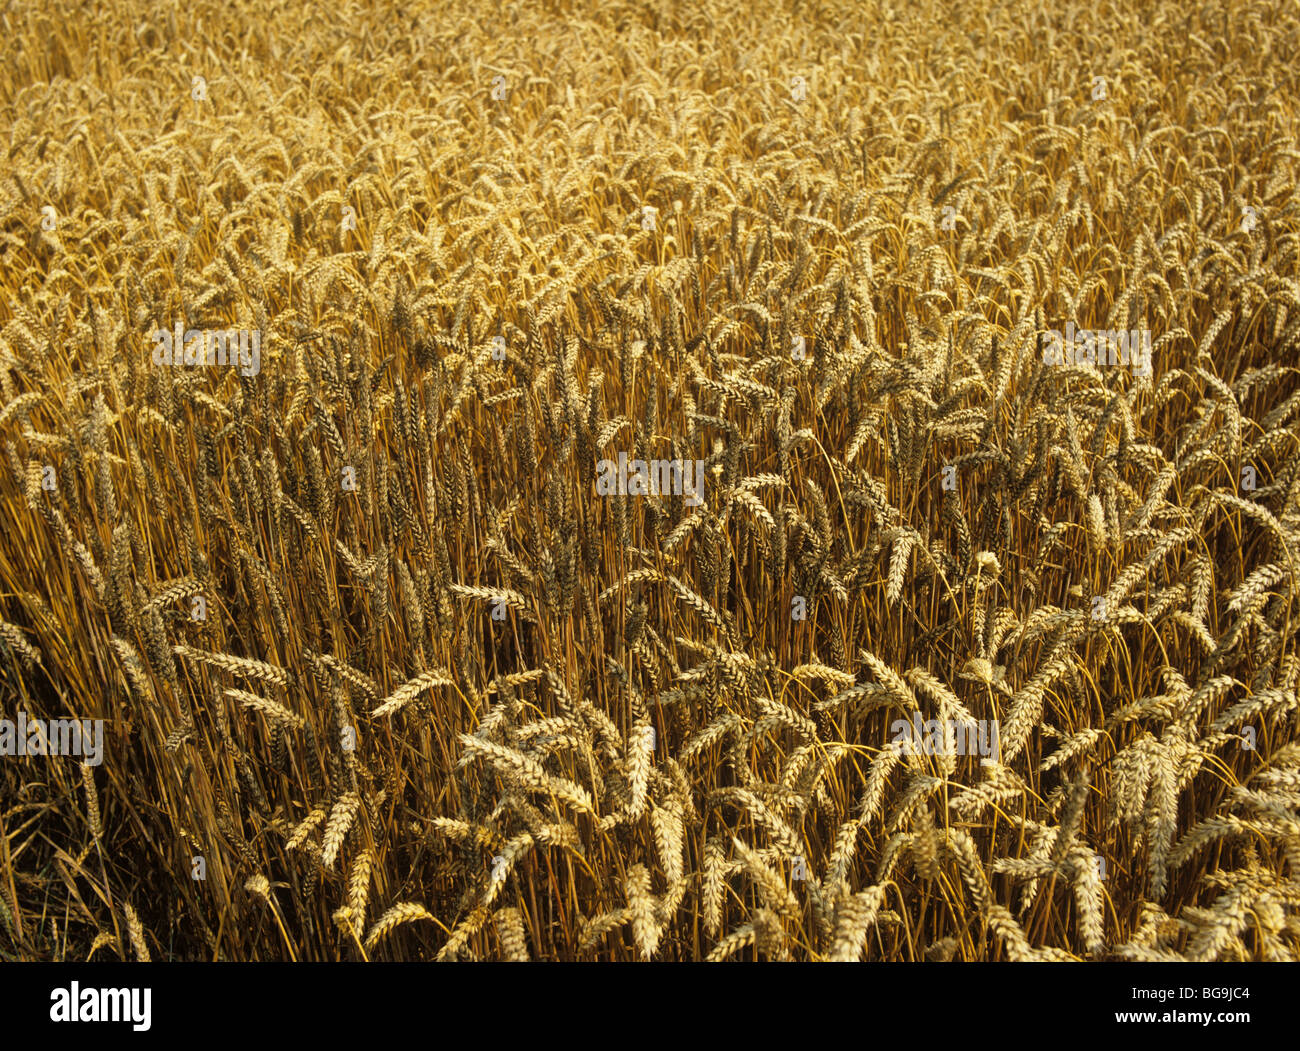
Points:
(387, 670)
